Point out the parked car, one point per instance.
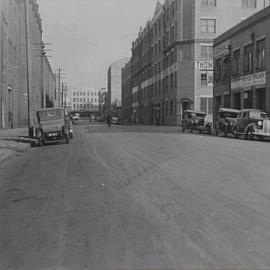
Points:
(52, 126)
(206, 125)
(252, 123)
(225, 121)
(192, 119)
(115, 120)
(76, 118)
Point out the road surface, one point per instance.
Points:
(137, 198)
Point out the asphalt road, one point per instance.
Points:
(137, 198)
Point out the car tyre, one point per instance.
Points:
(249, 135)
(235, 133)
(226, 131)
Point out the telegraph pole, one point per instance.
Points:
(28, 71)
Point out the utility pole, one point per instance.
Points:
(28, 71)
(60, 93)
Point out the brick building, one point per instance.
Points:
(241, 62)
(172, 58)
(126, 94)
(21, 64)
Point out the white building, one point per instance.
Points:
(85, 99)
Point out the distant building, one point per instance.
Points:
(23, 65)
(241, 63)
(115, 84)
(85, 99)
(172, 57)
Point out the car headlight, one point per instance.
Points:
(260, 123)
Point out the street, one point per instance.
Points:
(136, 197)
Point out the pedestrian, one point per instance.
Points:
(109, 120)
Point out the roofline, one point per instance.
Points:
(255, 18)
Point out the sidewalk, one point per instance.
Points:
(13, 142)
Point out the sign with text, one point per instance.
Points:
(204, 65)
(249, 80)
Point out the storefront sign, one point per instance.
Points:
(204, 65)
(249, 80)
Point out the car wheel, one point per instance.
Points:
(249, 135)
(226, 131)
(261, 138)
(235, 133)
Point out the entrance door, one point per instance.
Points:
(185, 106)
(261, 99)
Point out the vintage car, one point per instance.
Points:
(52, 126)
(252, 123)
(192, 119)
(76, 118)
(206, 125)
(225, 121)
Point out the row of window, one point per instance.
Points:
(245, 3)
(85, 100)
(241, 65)
(83, 106)
(85, 93)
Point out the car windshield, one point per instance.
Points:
(228, 114)
(256, 115)
(50, 115)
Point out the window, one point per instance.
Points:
(206, 52)
(260, 54)
(225, 67)
(203, 79)
(207, 78)
(208, 3)
(218, 69)
(208, 25)
(247, 59)
(249, 3)
(236, 63)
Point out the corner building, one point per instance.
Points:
(172, 57)
(241, 63)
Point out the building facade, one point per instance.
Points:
(85, 100)
(242, 66)
(22, 82)
(126, 94)
(114, 77)
(172, 58)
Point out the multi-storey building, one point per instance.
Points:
(172, 58)
(85, 99)
(126, 94)
(26, 77)
(242, 67)
(115, 84)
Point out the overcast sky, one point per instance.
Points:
(88, 35)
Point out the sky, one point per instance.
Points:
(86, 36)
